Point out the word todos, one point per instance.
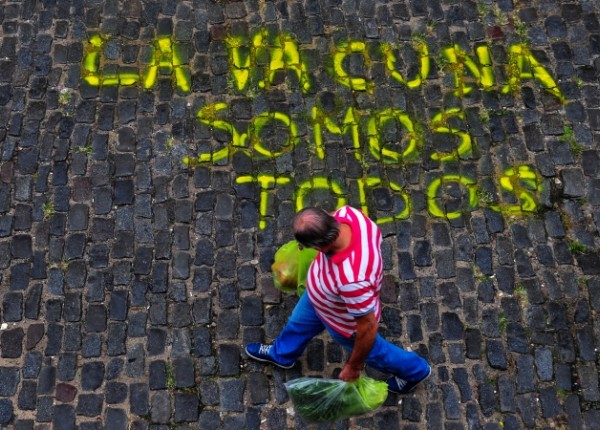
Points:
(521, 182)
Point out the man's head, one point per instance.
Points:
(315, 228)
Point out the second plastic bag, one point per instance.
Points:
(326, 400)
(291, 267)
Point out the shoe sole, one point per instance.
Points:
(264, 360)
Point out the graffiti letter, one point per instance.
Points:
(350, 123)
(520, 181)
(281, 52)
(390, 62)
(373, 182)
(91, 61)
(239, 58)
(439, 124)
(342, 51)
(208, 115)
(376, 123)
(285, 54)
(266, 183)
(322, 184)
(166, 56)
(91, 67)
(523, 65)
(459, 62)
(169, 59)
(260, 121)
(432, 195)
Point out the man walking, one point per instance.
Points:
(342, 297)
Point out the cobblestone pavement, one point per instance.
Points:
(153, 154)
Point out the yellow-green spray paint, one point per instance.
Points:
(350, 124)
(266, 183)
(433, 190)
(424, 62)
(251, 139)
(459, 63)
(378, 119)
(91, 66)
(270, 54)
(366, 183)
(439, 124)
(523, 65)
(279, 52)
(319, 183)
(343, 50)
(208, 115)
(167, 58)
(521, 181)
(274, 53)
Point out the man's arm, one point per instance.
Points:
(366, 331)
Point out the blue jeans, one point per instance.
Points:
(304, 324)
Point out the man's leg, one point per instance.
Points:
(389, 358)
(407, 367)
(303, 325)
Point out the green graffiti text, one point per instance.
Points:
(280, 53)
(167, 59)
(522, 182)
(275, 53)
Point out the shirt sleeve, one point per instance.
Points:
(360, 298)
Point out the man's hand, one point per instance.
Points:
(349, 374)
(366, 331)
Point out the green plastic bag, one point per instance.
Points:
(291, 267)
(327, 400)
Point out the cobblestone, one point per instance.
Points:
(92, 375)
(132, 280)
(160, 409)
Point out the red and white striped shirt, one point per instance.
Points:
(346, 285)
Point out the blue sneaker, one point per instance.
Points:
(262, 352)
(402, 386)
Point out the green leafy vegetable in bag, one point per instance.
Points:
(326, 400)
(291, 267)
